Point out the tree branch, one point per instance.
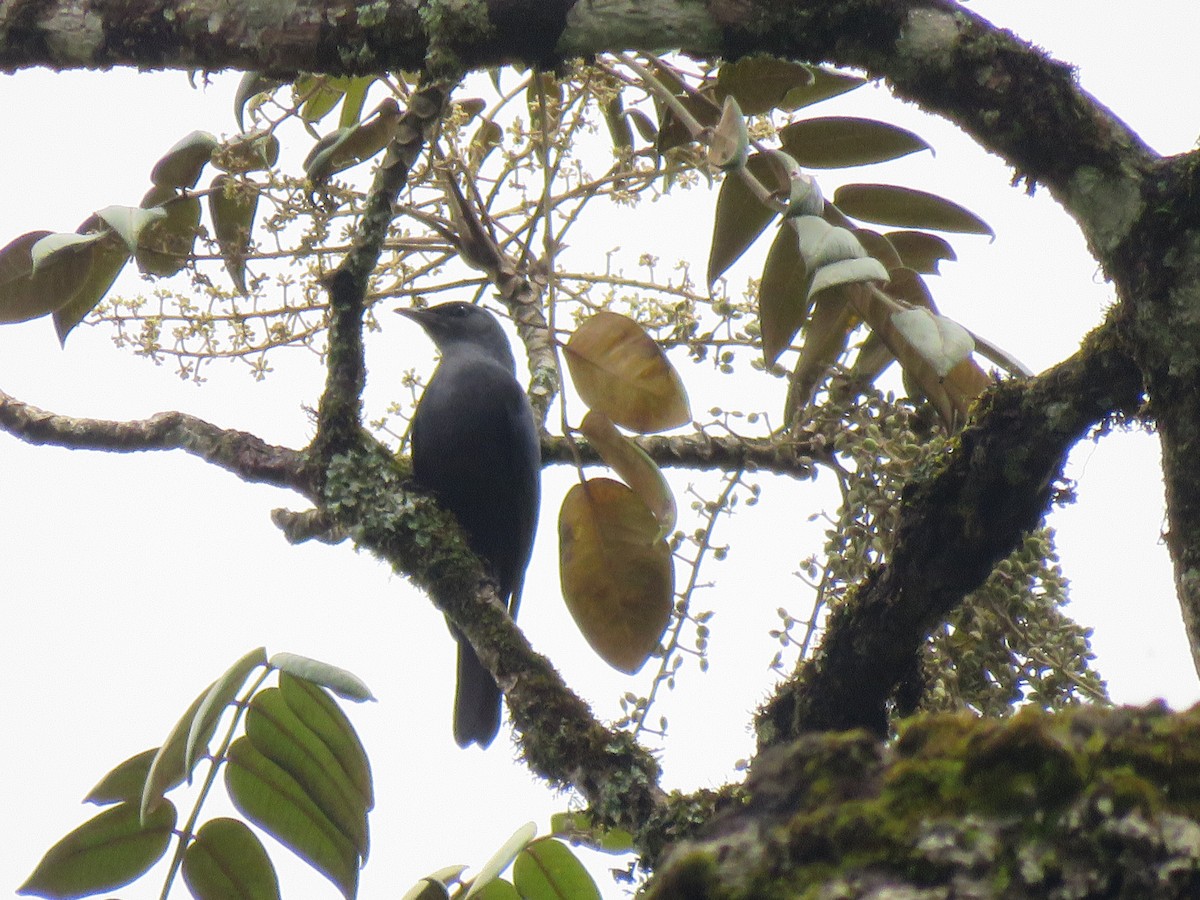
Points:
(243, 454)
(704, 452)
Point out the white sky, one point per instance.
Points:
(131, 582)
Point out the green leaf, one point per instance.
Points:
(320, 95)
(353, 100)
(252, 85)
(634, 465)
(548, 870)
(620, 371)
(20, 298)
(128, 222)
(497, 889)
(617, 573)
(826, 336)
(740, 216)
(427, 889)
(761, 83)
(343, 683)
(835, 142)
(350, 146)
(888, 204)
(783, 302)
(247, 153)
(920, 250)
(269, 797)
(227, 861)
(106, 852)
(232, 205)
(222, 693)
(282, 737)
(435, 886)
(109, 257)
(124, 782)
(166, 244)
(578, 828)
(313, 706)
(180, 167)
(826, 83)
(502, 858)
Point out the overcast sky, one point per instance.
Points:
(131, 582)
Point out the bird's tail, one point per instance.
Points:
(476, 699)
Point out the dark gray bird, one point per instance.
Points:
(475, 446)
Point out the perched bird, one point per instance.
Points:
(475, 446)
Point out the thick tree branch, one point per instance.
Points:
(245, 455)
(1085, 803)
(955, 525)
(339, 413)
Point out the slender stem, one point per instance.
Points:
(188, 833)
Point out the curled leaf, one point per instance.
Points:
(847, 271)
(502, 858)
(941, 341)
(633, 464)
(180, 167)
(343, 683)
(729, 145)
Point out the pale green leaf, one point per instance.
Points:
(343, 683)
(941, 341)
(222, 693)
(502, 858)
(847, 271)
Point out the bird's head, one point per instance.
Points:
(459, 328)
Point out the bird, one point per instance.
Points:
(475, 447)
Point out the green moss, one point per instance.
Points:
(1090, 797)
